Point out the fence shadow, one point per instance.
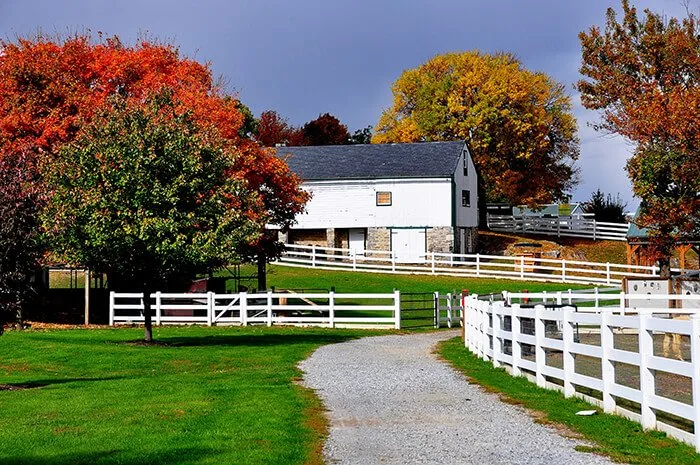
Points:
(259, 340)
(39, 383)
(180, 455)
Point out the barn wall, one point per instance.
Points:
(466, 216)
(353, 204)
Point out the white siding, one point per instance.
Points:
(466, 216)
(352, 204)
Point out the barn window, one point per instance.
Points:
(466, 164)
(466, 201)
(383, 199)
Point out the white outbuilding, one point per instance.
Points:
(407, 198)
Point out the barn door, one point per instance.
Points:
(408, 245)
(356, 241)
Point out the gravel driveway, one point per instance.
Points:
(391, 401)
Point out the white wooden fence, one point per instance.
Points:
(448, 310)
(473, 265)
(559, 226)
(487, 335)
(314, 309)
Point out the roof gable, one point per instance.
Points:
(373, 161)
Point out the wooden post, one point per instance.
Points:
(647, 381)
(569, 360)
(111, 308)
(397, 309)
(87, 297)
(540, 354)
(607, 344)
(331, 309)
(695, 359)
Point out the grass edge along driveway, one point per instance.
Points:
(200, 396)
(616, 437)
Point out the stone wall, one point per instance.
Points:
(378, 239)
(440, 239)
(317, 237)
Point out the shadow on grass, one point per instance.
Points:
(259, 340)
(181, 455)
(48, 382)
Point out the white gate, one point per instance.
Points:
(408, 245)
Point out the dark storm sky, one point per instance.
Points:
(307, 57)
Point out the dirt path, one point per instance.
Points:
(392, 401)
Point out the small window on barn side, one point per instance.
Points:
(466, 201)
(383, 199)
(466, 164)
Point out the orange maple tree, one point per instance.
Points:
(643, 74)
(50, 88)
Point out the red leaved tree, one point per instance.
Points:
(50, 89)
(643, 74)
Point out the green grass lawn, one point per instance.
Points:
(623, 440)
(205, 396)
(286, 277)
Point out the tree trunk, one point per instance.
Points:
(664, 267)
(262, 272)
(147, 323)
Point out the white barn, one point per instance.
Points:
(407, 198)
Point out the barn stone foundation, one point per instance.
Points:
(378, 239)
(440, 239)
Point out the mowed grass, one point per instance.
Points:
(622, 440)
(201, 396)
(287, 277)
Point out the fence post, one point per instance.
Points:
(485, 320)
(210, 307)
(569, 360)
(448, 302)
(563, 270)
(597, 297)
(393, 261)
(607, 343)
(432, 262)
(478, 265)
(436, 309)
(243, 299)
(496, 319)
(515, 342)
(695, 360)
(594, 230)
(111, 308)
(354, 262)
(559, 298)
(622, 303)
(522, 266)
(397, 309)
(646, 375)
(558, 228)
(607, 273)
(269, 308)
(331, 309)
(159, 311)
(540, 355)
(313, 256)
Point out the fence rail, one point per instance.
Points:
(496, 332)
(559, 226)
(318, 309)
(473, 265)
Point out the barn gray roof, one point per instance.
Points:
(373, 161)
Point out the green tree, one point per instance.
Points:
(643, 74)
(606, 208)
(362, 136)
(518, 123)
(147, 194)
